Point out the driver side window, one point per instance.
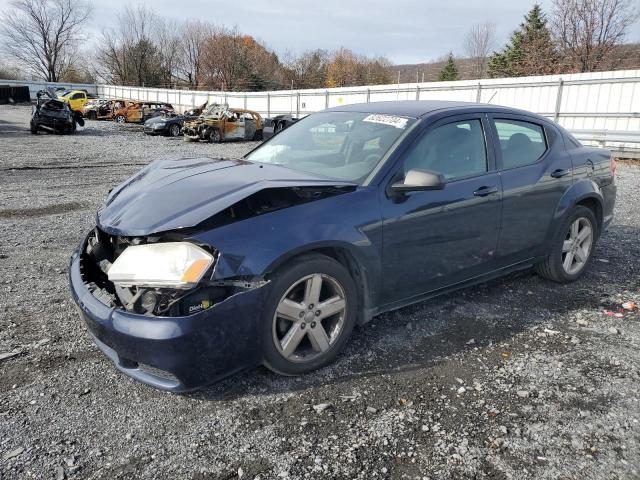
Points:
(456, 150)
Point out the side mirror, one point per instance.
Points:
(419, 180)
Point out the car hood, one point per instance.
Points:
(176, 194)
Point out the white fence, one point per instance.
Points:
(603, 108)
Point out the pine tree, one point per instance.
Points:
(530, 50)
(450, 71)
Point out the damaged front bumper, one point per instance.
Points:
(174, 353)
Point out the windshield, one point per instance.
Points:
(341, 145)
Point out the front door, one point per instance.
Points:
(432, 239)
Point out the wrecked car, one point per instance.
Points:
(102, 109)
(76, 99)
(53, 115)
(200, 268)
(219, 123)
(139, 112)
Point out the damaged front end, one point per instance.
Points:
(175, 339)
(101, 250)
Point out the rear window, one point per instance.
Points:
(521, 143)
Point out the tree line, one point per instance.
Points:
(578, 36)
(44, 38)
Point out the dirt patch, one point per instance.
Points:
(41, 211)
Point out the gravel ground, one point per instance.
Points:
(517, 378)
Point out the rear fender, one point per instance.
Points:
(579, 191)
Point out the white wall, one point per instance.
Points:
(582, 102)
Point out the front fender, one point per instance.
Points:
(256, 246)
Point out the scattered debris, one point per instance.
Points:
(630, 306)
(13, 453)
(611, 313)
(6, 355)
(321, 407)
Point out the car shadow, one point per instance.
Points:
(428, 333)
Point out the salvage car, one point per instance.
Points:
(76, 99)
(275, 125)
(53, 115)
(102, 109)
(219, 123)
(139, 112)
(200, 268)
(170, 125)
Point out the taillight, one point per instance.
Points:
(613, 165)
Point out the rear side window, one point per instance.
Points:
(521, 143)
(456, 150)
(77, 96)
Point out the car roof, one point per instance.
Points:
(420, 108)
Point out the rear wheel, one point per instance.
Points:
(120, 119)
(572, 247)
(34, 129)
(309, 315)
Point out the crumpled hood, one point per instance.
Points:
(175, 194)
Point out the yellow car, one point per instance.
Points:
(75, 98)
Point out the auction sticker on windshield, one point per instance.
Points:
(393, 120)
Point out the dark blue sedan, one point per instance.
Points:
(200, 268)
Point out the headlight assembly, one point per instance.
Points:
(171, 265)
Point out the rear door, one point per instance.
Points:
(432, 239)
(536, 170)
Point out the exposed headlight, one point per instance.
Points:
(171, 265)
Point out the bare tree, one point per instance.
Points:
(588, 31)
(129, 54)
(43, 35)
(478, 45)
(193, 41)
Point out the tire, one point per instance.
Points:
(33, 129)
(557, 267)
(174, 130)
(120, 119)
(214, 136)
(316, 340)
(278, 128)
(258, 135)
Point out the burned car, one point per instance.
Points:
(202, 267)
(53, 115)
(219, 123)
(139, 112)
(102, 109)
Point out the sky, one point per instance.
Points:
(404, 31)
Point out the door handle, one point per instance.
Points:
(560, 173)
(484, 191)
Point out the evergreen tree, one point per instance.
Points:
(530, 50)
(450, 71)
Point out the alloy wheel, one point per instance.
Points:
(174, 130)
(576, 247)
(309, 318)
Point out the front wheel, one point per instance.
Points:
(572, 247)
(120, 119)
(174, 130)
(214, 136)
(309, 315)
